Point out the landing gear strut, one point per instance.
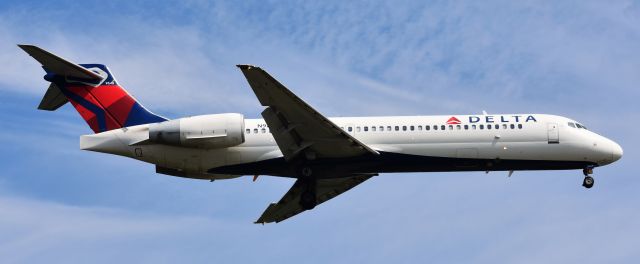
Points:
(308, 199)
(588, 180)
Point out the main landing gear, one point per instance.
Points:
(588, 180)
(308, 199)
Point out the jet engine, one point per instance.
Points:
(203, 131)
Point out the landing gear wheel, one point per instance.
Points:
(308, 200)
(588, 182)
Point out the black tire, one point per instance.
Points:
(308, 200)
(588, 182)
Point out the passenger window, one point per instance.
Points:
(263, 130)
(357, 129)
(373, 128)
(366, 129)
(397, 128)
(513, 126)
(412, 128)
(435, 127)
(419, 128)
(404, 128)
(450, 127)
(572, 125)
(442, 127)
(466, 127)
(381, 128)
(489, 126)
(497, 126)
(427, 128)
(458, 127)
(248, 131)
(474, 127)
(504, 126)
(519, 126)
(388, 128)
(482, 127)
(255, 131)
(350, 129)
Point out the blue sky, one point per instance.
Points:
(574, 58)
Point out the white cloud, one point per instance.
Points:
(444, 57)
(36, 231)
(440, 218)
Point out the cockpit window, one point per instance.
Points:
(577, 125)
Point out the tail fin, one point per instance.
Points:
(92, 90)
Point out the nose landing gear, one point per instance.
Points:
(588, 180)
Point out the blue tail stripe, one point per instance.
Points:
(96, 110)
(139, 115)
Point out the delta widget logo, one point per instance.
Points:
(453, 121)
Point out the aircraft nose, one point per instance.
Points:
(616, 152)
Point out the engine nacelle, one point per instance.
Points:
(203, 131)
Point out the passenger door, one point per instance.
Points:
(553, 133)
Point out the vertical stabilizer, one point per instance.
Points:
(92, 90)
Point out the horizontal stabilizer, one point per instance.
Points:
(53, 99)
(60, 66)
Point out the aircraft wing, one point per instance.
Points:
(297, 128)
(289, 205)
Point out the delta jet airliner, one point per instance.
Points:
(326, 156)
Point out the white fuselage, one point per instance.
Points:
(407, 143)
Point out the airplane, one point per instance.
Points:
(326, 156)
